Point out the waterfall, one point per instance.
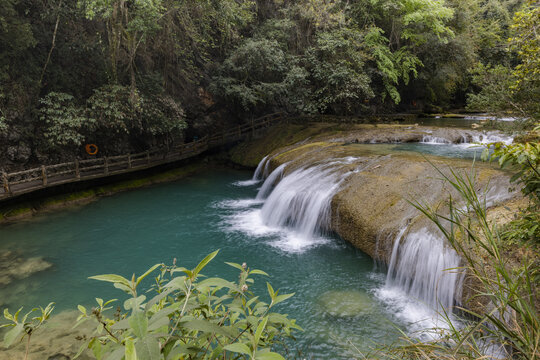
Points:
(491, 137)
(295, 209)
(425, 268)
(301, 200)
(429, 139)
(298, 204)
(258, 175)
(470, 139)
(270, 182)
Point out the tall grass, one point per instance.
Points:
(507, 326)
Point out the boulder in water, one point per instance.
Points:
(14, 267)
(346, 303)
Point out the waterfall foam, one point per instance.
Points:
(434, 140)
(424, 268)
(270, 182)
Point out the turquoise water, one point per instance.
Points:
(186, 220)
(461, 151)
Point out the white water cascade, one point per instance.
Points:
(270, 181)
(429, 139)
(259, 172)
(470, 139)
(425, 269)
(301, 200)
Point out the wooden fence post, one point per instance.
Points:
(106, 165)
(252, 129)
(148, 156)
(44, 174)
(129, 161)
(6, 183)
(77, 169)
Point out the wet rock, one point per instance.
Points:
(13, 267)
(346, 303)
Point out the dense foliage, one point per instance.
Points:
(129, 75)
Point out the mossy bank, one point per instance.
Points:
(27, 209)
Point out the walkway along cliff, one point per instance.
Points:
(28, 181)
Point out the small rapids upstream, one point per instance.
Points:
(470, 139)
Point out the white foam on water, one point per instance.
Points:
(237, 204)
(246, 183)
(434, 140)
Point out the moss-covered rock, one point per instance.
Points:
(346, 303)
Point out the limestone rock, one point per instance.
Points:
(15, 267)
(346, 303)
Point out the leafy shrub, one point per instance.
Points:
(186, 318)
(65, 122)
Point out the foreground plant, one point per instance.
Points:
(188, 319)
(185, 318)
(25, 326)
(509, 325)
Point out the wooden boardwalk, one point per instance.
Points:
(28, 181)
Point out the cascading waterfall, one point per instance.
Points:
(425, 268)
(259, 174)
(429, 139)
(270, 182)
(301, 200)
(423, 273)
(491, 137)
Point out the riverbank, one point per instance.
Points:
(28, 209)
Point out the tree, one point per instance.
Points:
(505, 89)
(128, 23)
(65, 123)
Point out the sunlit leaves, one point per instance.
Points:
(204, 320)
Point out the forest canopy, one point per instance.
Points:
(135, 74)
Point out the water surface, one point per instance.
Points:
(186, 220)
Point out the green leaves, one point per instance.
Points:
(239, 348)
(112, 278)
(203, 319)
(11, 336)
(124, 284)
(139, 323)
(203, 263)
(25, 326)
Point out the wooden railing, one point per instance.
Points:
(22, 182)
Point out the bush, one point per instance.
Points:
(185, 318)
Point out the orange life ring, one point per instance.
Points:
(91, 149)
